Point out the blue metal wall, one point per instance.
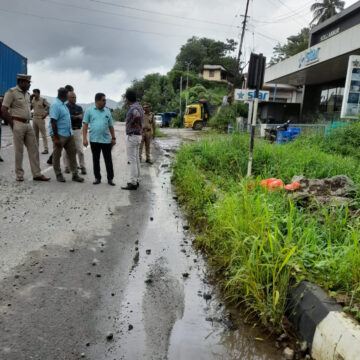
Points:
(11, 63)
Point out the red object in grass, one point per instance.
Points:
(293, 186)
(272, 184)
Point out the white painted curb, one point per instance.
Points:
(337, 337)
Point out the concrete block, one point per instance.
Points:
(308, 306)
(336, 337)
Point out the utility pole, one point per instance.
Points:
(180, 96)
(237, 65)
(187, 82)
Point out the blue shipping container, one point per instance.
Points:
(11, 63)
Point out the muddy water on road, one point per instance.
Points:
(169, 310)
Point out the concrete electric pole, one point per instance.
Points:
(237, 65)
(187, 63)
(180, 95)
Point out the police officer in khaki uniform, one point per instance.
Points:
(148, 131)
(16, 110)
(41, 111)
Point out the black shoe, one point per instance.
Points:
(83, 171)
(45, 152)
(1, 159)
(77, 178)
(49, 161)
(110, 182)
(60, 178)
(137, 184)
(149, 162)
(97, 182)
(129, 186)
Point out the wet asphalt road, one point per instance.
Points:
(94, 272)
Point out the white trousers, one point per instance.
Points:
(79, 150)
(132, 148)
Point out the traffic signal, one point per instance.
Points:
(256, 71)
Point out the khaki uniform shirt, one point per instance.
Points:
(149, 122)
(18, 103)
(41, 107)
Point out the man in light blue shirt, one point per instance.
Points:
(102, 136)
(61, 132)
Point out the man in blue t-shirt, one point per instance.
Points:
(102, 136)
(62, 136)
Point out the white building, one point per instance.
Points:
(322, 69)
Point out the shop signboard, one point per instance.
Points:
(248, 95)
(351, 100)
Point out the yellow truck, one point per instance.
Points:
(197, 115)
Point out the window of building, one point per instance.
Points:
(331, 100)
(211, 73)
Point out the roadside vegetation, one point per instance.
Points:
(260, 242)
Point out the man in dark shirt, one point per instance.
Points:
(134, 121)
(76, 114)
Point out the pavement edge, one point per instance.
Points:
(320, 321)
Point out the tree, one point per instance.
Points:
(199, 51)
(325, 10)
(294, 45)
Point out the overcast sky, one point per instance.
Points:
(102, 45)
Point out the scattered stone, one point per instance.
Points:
(98, 275)
(288, 353)
(101, 250)
(112, 294)
(303, 346)
(137, 242)
(82, 355)
(282, 337)
(148, 281)
(94, 262)
(185, 275)
(136, 249)
(109, 336)
(151, 218)
(72, 250)
(195, 260)
(183, 250)
(16, 276)
(41, 270)
(88, 344)
(175, 198)
(148, 251)
(88, 273)
(130, 327)
(207, 296)
(136, 257)
(186, 227)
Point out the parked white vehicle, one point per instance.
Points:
(158, 120)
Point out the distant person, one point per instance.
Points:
(62, 136)
(68, 89)
(102, 137)
(134, 120)
(76, 115)
(16, 110)
(148, 132)
(41, 111)
(1, 120)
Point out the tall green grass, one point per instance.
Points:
(259, 241)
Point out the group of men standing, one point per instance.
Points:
(68, 129)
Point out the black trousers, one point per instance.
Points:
(96, 149)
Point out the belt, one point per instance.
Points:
(20, 119)
(134, 134)
(76, 128)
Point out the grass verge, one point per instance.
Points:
(260, 242)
